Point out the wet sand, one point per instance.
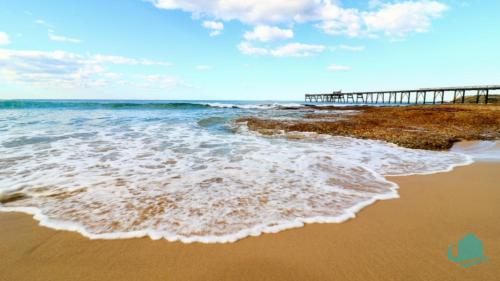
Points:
(400, 239)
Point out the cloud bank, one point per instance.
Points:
(62, 69)
(393, 19)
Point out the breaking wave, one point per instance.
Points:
(123, 174)
(77, 104)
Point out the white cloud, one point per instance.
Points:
(54, 37)
(59, 38)
(247, 49)
(248, 11)
(266, 33)
(56, 68)
(393, 19)
(288, 50)
(4, 38)
(337, 68)
(399, 19)
(203, 67)
(297, 50)
(215, 27)
(43, 23)
(59, 68)
(335, 20)
(126, 61)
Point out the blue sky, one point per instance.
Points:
(233, 49)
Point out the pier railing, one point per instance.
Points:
(417, 96)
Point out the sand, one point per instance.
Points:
(400, 239)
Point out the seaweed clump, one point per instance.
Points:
(421, 127)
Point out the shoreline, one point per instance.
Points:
(350, 213)
(405, 238)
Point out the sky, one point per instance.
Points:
(242, 50)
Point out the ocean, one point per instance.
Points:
(186, 171)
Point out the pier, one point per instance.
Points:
(418, 96)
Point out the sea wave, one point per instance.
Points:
(88, 104)
(117, 176)
(20, 104)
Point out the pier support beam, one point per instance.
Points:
(482, 92)
(405, 95)
(436, 95)
(371, 97)
(382, 95)
(360, 96)
(349, 96)
(392, 95)
(459, 94)
(422, 94)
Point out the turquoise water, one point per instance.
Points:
(139, 104)
(186, 170)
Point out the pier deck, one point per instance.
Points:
(423, 95)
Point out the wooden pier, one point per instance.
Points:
(418, 96)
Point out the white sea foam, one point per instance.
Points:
(480, 150)
(123, 175)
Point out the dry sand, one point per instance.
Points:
(401, 239)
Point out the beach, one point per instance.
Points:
(399, 239)
(311, 140)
